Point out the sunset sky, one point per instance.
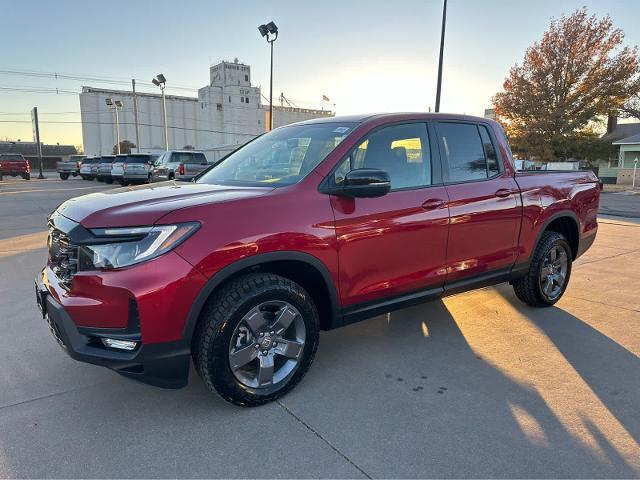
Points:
(366, 56)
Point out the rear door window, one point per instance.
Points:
(468, 151)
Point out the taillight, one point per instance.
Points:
(78, 164)
(181, 169)
(28, 165)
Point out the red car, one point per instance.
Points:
(15, 164)
(309, 227)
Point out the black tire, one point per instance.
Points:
(218, 321)
(122, 182)
(529, 288)
(109, 180)
(26, 176)
(64, 176)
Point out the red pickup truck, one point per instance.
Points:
(309, 227)
(14, 165)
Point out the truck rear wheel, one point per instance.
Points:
(548, 274)
(64, 176)
(256, 339)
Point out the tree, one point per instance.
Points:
(125, 147)
(577, 73)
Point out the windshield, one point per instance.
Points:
(281, 157)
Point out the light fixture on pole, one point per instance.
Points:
(270, 33)
(115, 105)
(160, 81)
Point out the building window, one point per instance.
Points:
(246, 78)
(247, 100)
(229, 98)
(241, 99)
(219, 107)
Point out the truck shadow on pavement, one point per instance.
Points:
(610, 370)
(453, 413)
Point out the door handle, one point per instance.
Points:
(503, 193)
(433, 203)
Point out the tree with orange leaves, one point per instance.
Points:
(578, 73)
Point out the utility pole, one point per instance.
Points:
(135, 114)
(36, 137)
(439, 88)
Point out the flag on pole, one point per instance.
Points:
(325, 98)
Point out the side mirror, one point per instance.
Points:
(364, 183)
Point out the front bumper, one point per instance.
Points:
(161, 364)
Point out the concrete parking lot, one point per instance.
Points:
(476, 385)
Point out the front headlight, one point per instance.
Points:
(121, 247)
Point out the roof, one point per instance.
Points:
(623, 131)
(30, 148)
(632, 140)
(393, 117)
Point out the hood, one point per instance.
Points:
(146, 204)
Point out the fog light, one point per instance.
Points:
(119, 344)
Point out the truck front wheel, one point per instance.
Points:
(256, 339)
(64, 176)
(548, 274)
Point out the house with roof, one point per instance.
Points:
(51, 154)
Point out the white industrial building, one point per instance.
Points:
(228, 112)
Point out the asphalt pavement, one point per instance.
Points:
(477, 385)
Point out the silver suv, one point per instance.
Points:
(178, 165)
(137, 167)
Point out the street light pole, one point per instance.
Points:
(444, 23)
(635, 167)
(117, 129)
(115, 105)
(271, 90)
(160, 81)
(270, 32)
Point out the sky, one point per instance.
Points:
(366, 56)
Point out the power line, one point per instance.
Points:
(65, 122)
(88, 78)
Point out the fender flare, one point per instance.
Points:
(255, 260)
(561, 214)
(521, 267)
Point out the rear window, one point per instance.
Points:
(188, 158)
(11, 157)
(139, 159)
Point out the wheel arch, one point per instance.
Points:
(302, 268)
(566, 223)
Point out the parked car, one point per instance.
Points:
(117, 168)
(309, 227)
(103, 173)
(137, 168)
(14, 164)
(85, 168)
(95, 164)
(178, 165)
(71, 166)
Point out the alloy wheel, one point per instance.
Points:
(553, 274)
(267, 344)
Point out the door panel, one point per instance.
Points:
(390, 245)
(395, 244)
(483, 230)
(485, 207)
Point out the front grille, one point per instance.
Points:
(63, 256)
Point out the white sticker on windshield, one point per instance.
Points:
(341, 129)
